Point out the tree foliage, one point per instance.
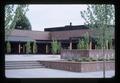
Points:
(55, 46)
(12, 15)
(99, 18)
(34, 47)
(22, 22)
(28, 47)
(59, 47)
(84, 42)
(86, 39)
(80, 44)
(8, 46)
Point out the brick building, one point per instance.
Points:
(68, 36)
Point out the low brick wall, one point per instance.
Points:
(97, 66)
(76, 53)
(79, 66)
(99, 53)
(69, 54)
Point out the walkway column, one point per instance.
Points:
(70, 45)
(46, 48)
(19, 48)
(90, 45)
(107, 44)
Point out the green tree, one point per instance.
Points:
(84, 42)
(28, 48)
(59, 47)
(98, 18)
(99, 43)
(80, 44)
(11, 16)
(55, 46)
(22, 22)
(34, 47)
(8, 46)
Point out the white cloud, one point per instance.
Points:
(45, 16)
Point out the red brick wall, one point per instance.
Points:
(79, 66)
(68, 54)
(95, 52)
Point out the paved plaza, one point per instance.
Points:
(53, 73)
(46, 72)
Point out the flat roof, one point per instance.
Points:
(66, 28)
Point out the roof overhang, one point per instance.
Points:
(19, 38)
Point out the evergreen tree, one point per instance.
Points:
(28, 48)
(8, 47)
(34, 47)
(11, 16)
(23, 22)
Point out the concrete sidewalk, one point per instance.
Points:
(53, 73)
(31, 57)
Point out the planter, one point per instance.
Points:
(79, 66)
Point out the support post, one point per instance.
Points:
(70, 45)
(46, 48)
(19, 48)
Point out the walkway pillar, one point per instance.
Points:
(46, 48)
(19, 48)
(70, 45)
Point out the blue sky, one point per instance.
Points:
(47, 16)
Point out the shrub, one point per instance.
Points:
(69, 59)
(8, 47)
(100, 59)
(107, 59)
(84, 42)
(75, 59)
(112, 58)
(93, 59)
(28, 48)
(87, 59)
(83, 59)
(80, 59)
(55, 47)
